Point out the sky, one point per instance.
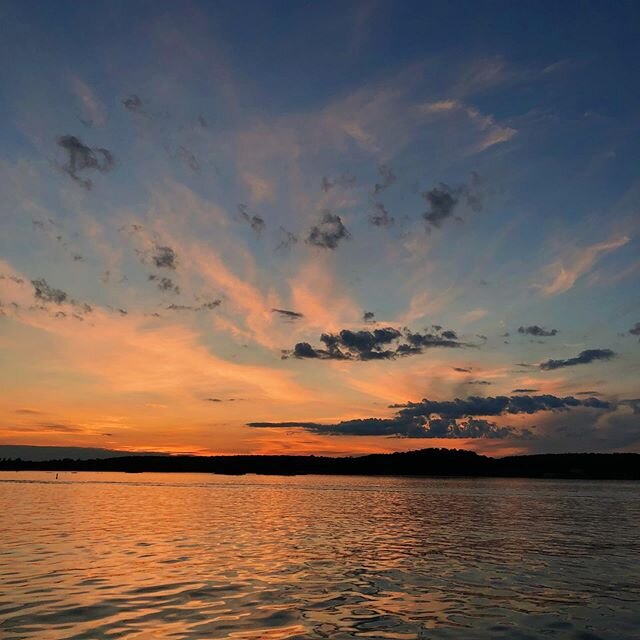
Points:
(320, 227)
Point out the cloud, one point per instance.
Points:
(587, 393)
(525, 391)
(462, 370)
(443, 200)
(46, 427)
(635, 330)
(496, 406)
(539, 332)
(255, 222)
(458, 418)
(564, 273)
(47, 293)
(381, 217)
(205, 306)
(165, 284)
(164, 257)
(133, 103)
(434, 428)
(288, 315)
(328, 232)
(385, 343)
(80, 157)
(584, 357)
(493, 133)
(368, 316)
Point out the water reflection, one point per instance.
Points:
(195, 556)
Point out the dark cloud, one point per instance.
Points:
(208, 306)
(496, 406)
(288, 315)
(380, 217)
(387, 178)
(635, 330)
(462, 370)
(539, 332)
(205, 306)
(587, 393)
(525, 391)
(165, 284)
(368, 316)
(385, 343)
(255, 222)
(47, 293)
(180, 307)
(479, 382)
(328, 232)
(133, 103)
(164, 257)
(80, 157)
(434, 428)
(456, 418)
(442, 200)
(584, 357)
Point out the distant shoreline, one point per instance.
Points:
(420, 463)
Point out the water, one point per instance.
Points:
(195, 556)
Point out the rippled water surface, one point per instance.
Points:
(197, 556)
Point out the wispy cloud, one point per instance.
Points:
(562, 274)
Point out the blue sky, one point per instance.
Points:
(173, 175)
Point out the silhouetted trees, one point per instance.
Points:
(424, 462)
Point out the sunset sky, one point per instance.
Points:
(320, 227)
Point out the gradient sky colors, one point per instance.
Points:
(311, 227)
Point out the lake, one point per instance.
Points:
(111, 555)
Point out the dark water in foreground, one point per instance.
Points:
(196, 556)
